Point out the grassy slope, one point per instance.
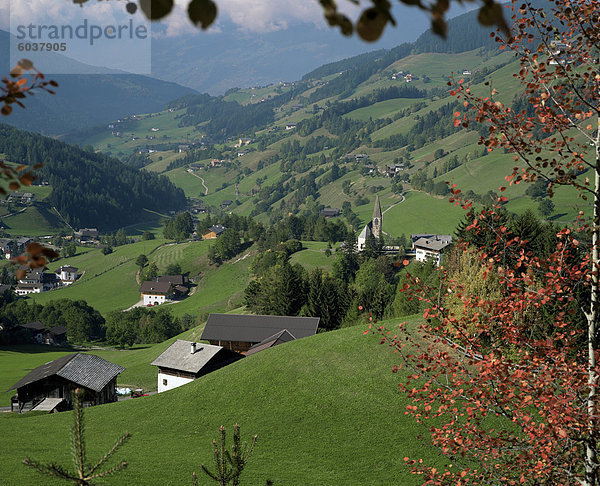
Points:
(326, 410)
(422, 214)
(109, 280)
(17, 361)
(36, 220)
(313, 256)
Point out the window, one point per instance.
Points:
(164, 382)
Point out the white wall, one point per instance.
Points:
(422, 255)
(172, 382)
(152, 299)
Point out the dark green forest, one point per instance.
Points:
(91, 189)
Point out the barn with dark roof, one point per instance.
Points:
(240, 332)
(49, 387)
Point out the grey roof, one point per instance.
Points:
(57, 330)
(433, 244)
(35, 325)
(417, 236)
(174, 279)
(87, 370)
(253, 329)
(331, 212)
(277, 338)
(68, 268)
(29, 285)
(155, 287)
(178, 356)
(217, 229)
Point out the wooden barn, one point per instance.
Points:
(49, 387)
(184, 361)
(239, 332)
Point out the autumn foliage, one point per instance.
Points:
(508, 383)
(507, 395)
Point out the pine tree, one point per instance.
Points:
(84, 473)
(229, 465)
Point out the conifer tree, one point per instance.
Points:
(84, 473)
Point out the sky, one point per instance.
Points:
(239, 21)
(258, 16)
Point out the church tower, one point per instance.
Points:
(377, 220)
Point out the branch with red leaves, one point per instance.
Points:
(18, 87)
(512, 404)
(12, 91)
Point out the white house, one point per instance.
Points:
(430, 247)
(184, 361)
(156, 293)
(28, 288)
(68, 274)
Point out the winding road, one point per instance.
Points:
(191, 172)
(392, 206)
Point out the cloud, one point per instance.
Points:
(268, 16)
(257, 16)
(62, 12)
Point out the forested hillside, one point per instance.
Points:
(91, 189)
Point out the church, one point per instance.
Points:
(373, 228)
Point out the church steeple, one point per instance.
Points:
(377, 220)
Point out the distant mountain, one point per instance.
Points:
(214, 62)
(87, 100)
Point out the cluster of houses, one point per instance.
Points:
(20, 197)
(231, 338)
(402, 76)
(38, 280)
(393, 169)
(14, 247)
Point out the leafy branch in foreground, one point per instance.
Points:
(229, 466)
(12, 91)
(84, 473)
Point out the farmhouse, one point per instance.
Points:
(21, 197)
(427, 246)
(56, 336)
(13, 248)
(36, 331)
(277, 338)
(213, 232)
(179, 282)
(49, 387)
(240, 332)
(86, 235)
(184, 361)
(67, 274)
(330, 212)
(156, 293)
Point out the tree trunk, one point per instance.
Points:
(591, 455)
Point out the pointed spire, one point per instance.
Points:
(377, 220)
(377, 209)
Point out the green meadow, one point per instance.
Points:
(326, 410)
(17, 361)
